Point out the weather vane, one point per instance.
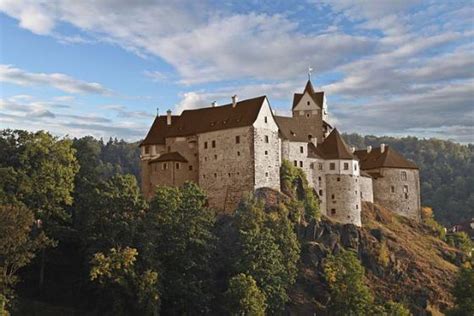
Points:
(310, 69)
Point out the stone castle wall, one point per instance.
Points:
(343, 198)
(399, 194)
(226, 171)
(366, 189)
(267, 158)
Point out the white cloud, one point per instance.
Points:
(63, 82)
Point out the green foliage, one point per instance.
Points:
(395, 309)
(463, 292)
(345, 277)
(38, 170)
(295, 184)
(269, 250)
(178, 238)
(446, 172)
(18, 245)
(244, 297)
(114, 214)
(428, 219)
(384, 255)
(131, 292)
(461, 241)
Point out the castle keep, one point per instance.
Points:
(239, 147)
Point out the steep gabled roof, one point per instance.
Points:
(333, 147)
(318, 97)
(388, 159)
(158, 131)
(171, 156)
(192, 122)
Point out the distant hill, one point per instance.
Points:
(446, 172)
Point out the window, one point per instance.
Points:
(177, 166)
(205, 145)
(307, 115)
(338, 179)
(266, 174)
(392, 189)
(238, 153)
(310, 137)
(361, 195)
(333, 211)
(346, 166)
(228, 174)
(311, 166)
(320, 192)
(320, 166)
(213, 144)
(266, 139)
(332, 166)
(319, 179)
(301, 149)
(357, 206)
(147, 150)
(169, 148)
(333, 196)
(238, 173)
(237, 139)
(205, 158)
(215, 157)
(295, 163)
(165, 166)
(355, 166)
(404, 175)
(307, 103)
(356, 192)
(266, 119)
(204, 176)
(405, 189)
(406, 196)
(190, 168)
(215, 175)
(301, 164)
(266, 152)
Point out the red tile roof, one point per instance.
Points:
(388, 159)
(333, 147)
(192, 122)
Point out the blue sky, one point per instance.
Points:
(103, 67)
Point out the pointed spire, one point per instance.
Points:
(309, 87)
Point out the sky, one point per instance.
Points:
(106, 67)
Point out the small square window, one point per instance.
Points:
(204, 176)
(319, 178)
(346, 166)
(311, 166)
(215, 157)
(177, 166)
(301, 164)
(205, 158)
(355, 166)
(266, 152)
(307, 103)
(213, 144)
(392, 189)
(266, 139)
(307, 115)
(147, 150)
(169, 148)
(295, 163)
(237, 139)
(320, 192)
(165, 166)
(357, 206)
(301, 149)
(266, 119)
(228, 174)
(205, 145)
(333, 211)
(190, 168)
(338, 179)
(404, 175)
(320, 166)
(332, 166)
(215, 175)
(333, 196)
(266, 174)
(238, 153)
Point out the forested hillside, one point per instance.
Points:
(78, 238)
(446, 172)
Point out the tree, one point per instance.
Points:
(115, 214)
(244, 297)
(349, 295)
(463, 292)
(179, 239)
(461, 241)
(131, 292)
(18, 246)
(40, 173)
(268, 250)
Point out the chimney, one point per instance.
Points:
(382, 148)
(214, 103)
(353, 149)
(235, 99)
(369, 149)
(168, 117)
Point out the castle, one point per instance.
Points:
(239, 147)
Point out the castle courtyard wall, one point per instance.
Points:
(366, 189)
